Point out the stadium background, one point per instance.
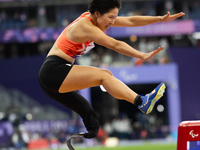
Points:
(28, 29)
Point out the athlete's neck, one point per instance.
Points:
(93, 19)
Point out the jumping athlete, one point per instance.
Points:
(60, 79)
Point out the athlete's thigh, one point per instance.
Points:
(81, 77)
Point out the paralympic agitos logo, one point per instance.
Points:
(192, 134)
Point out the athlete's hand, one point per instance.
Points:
(168, 17)
(149, 55)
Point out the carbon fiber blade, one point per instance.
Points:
(70, 138)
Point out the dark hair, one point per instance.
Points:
(103, 6)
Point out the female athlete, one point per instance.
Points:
(60, 79)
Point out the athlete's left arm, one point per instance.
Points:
(134, 21)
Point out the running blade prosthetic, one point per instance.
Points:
(69, 140)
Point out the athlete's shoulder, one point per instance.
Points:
(85, 13)
(85, 24)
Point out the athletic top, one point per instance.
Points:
(71, 48)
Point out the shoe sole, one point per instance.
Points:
(157, 97)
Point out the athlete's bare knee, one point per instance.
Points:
(106, 75)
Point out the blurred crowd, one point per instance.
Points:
(144, 127)
(22, 138)
(24, 126)
(121, 128)
(58, 16)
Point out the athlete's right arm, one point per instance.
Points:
(98, 36)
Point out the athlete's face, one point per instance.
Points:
(108, 19)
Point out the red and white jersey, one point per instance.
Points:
(71, 48)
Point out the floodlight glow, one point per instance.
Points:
(196, 35)
(160, 108)
(29, 116)
(111, 142)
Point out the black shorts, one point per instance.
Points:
(51, 75)
(53, 72)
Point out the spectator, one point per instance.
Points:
(122, 128)
(108, 128)
(102, 135)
